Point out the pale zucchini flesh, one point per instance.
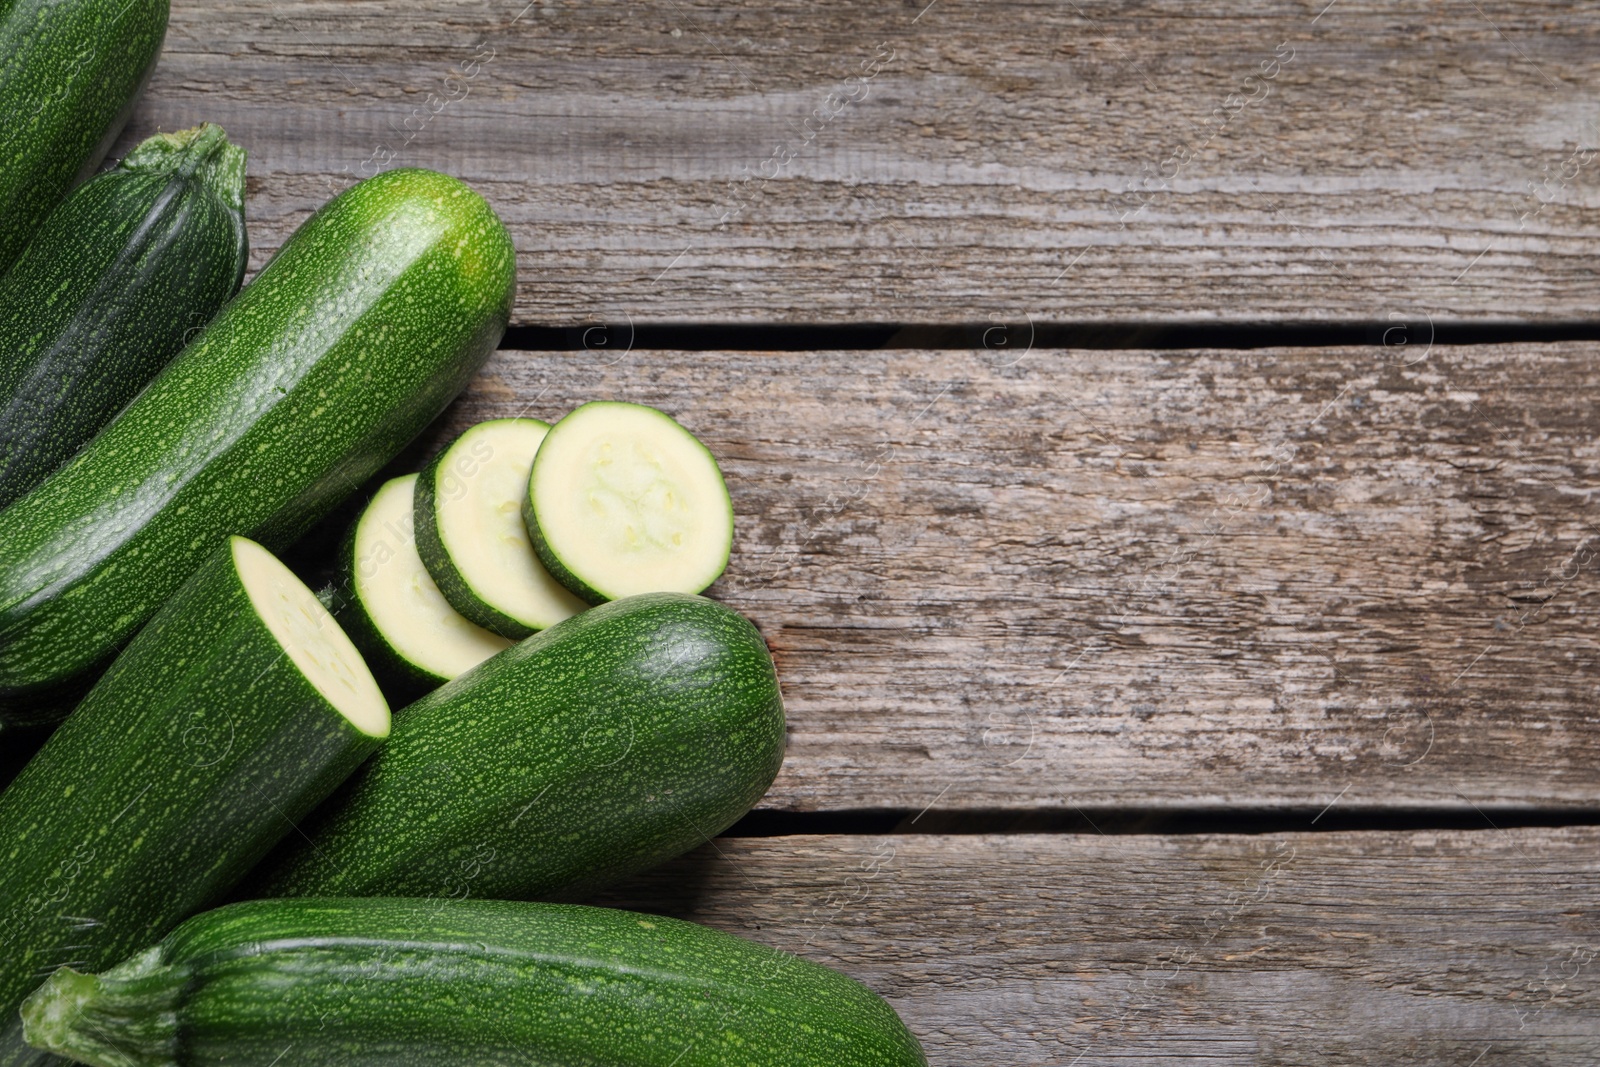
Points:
(473, 539)
(310, 637)
(622, 500)
(398, 598)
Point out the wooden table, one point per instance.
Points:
(1147, 705)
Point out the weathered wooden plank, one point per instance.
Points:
(1150, 579)
(1460, 947)
(946, 161)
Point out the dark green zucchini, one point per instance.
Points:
(239, 707)
(591, 750)
(108, 292)
(70, 71)
(462, 983)
(372, 316)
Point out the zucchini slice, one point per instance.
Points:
(234, 712)
(623, 500)
(392, 608)
(471, 536)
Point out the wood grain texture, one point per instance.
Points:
(943, 162)
(1440, 948)
(1057, 579)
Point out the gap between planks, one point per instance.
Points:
(1417, 332)
(1330, 818)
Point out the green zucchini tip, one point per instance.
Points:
(87, 1017)
(48, 1015)
(203, 150)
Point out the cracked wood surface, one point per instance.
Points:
(1465, 948)
(1058, 579)
(680, 160)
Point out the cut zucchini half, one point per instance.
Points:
(391, 605)
(311, 637)
(235, 710)
(623, 500)
(471, 536)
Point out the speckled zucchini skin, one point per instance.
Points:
(372, 316)
(430, 546)
(592, 750)
(468, 983)
(107, 292)
(70, 72)
(176, 774)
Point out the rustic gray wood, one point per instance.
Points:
(1475, 949)
(1058, 579)
(943, 161)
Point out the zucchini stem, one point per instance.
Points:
(126, 1017)
(202, 150)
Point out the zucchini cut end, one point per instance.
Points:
(311, 638)
(623, 500)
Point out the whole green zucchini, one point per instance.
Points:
(462, 983)
(373, 315)
(594, 749)
(70, 71)
(239, 707)
(108, 291)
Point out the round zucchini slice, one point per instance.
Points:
(391, 605)
(623, 500)
(471, 536)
